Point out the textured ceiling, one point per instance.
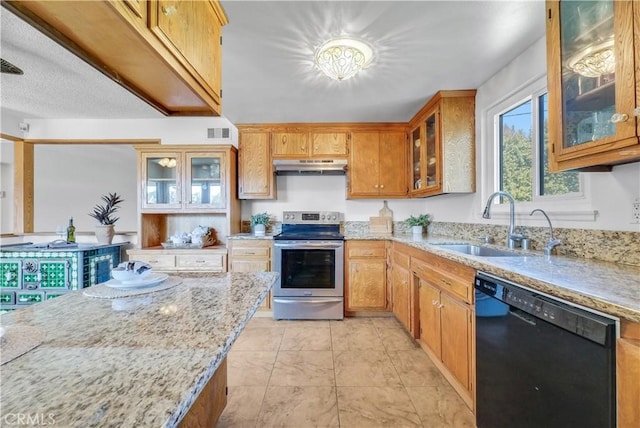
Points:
(420, 47)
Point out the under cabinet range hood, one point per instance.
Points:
(310, 166)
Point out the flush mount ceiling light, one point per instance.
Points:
(594, 61)
(343, 58)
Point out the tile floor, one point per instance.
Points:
(360, 372)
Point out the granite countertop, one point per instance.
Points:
(250, 236)
(610, 288)
(139, 361)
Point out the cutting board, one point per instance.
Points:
(380, 225)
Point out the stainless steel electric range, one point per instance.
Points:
(309, 255)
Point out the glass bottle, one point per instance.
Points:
(71, 231)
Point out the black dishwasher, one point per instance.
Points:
(541, 362)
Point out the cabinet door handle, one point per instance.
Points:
(382, 186)
(434, 302)
(201, 261)
(168, 10)
(440, 306)
(619, 117)
(636, 111)
(375, 186)
(445, 282)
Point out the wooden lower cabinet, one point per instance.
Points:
(445, 327)
(208, 407)
(628, 375)
(404, 298)
(430, 330)
(251, 255)
(401, 296)
(447, 319)
(455, 325)
(366, 276)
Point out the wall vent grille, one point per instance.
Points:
(219, 133)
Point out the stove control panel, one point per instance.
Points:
(311, 217)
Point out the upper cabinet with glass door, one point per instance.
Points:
(184, 181)
(593, 82)
(205, 180)
(443, 145)
(161, 180)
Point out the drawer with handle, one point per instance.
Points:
(250, 251)
(375, 249)
(451, 284)
(208, 262)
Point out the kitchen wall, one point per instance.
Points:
(69, 180)
(326, 193)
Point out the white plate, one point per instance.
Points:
(153, 279)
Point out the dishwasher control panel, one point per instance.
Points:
(578, 321)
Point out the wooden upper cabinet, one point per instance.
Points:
(308, 144)
(377, 164)
(255, 168)
(329, 145)
(442, 147)
(166, 52)
(185, 28)
(186, 180)
(291, 145)
(393, 164)
(593, 113)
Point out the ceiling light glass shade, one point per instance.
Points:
(594, 61)
(343, 58)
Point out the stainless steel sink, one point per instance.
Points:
(477, 250)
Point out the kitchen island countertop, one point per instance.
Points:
(610, 288)
(139, 361)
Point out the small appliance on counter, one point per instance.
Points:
(309, 256)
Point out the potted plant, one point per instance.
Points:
(104, 215)
(259, 223)
(418, 223)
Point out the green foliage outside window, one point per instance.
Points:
(516, 157)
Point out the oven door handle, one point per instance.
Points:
(299, 246)
(314, 301)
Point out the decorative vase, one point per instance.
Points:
(416, 230)
(104, 233)
(259, 229)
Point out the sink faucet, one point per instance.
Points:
(552, 242)
(512, 237)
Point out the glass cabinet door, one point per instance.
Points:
(432, 137)
(205, 180)
(161, 180)
(417, 148)
(595, 108)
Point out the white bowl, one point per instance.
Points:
(124, 275)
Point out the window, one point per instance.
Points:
(523, 155)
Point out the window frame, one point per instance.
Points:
(569, 206)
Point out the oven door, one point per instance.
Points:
(309, 268)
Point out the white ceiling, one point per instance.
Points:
(420, 47)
